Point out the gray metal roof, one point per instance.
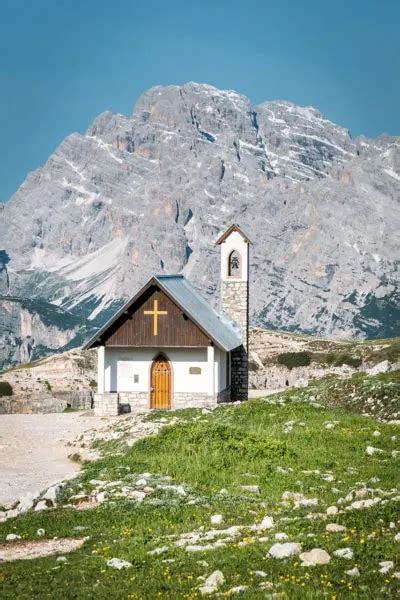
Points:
(218, 327)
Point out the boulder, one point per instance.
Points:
(284, 550)
(118, 563)
(314, 557)
(212, 583)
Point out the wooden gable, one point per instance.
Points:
(154, 320)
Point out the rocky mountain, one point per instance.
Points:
(150, 192)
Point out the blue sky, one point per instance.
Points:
(62, 62)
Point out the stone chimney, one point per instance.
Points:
(235, 247)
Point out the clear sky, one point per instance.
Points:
(62, 62)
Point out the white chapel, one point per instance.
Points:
(168, 348)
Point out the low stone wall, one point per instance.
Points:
(40, 404)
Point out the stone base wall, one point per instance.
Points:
(39, 404)
(106, 405)
(112, 404)
(131, 401)
(192, 400)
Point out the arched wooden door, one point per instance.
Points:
(161, 383)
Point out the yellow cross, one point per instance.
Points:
(155, 312)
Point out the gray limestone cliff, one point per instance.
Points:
(150, 192)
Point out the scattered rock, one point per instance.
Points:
(386, 566)
(41, 505)
(266, 523)
(35, 549)
(118, 563)
(332, 510)
(397, 537)
(360, 504)
(254, 489)
(382, 367)
(298, 500)
(11, 537)
(212, 583)
(344, 553)
(238, 589)
(280, 537)
(52, 493)
(314, 557)
(284, 550)
(159, 550)
(335, 528)
(216, 519)
(376, 433)
(260, 573)
(40, 532)
(370, 450)
(353, 572)
(61, 559)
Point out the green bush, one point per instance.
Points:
(47, 384)
(5, 389)
(338, 360)
(294, 359)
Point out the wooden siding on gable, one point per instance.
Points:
(137, 328)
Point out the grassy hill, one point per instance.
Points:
(291, 457)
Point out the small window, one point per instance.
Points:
(194, 371)
(235, 265)
(136, 378)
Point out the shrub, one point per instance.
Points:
(5, 389)
(338, 360)
(47, 384)
(294, 359)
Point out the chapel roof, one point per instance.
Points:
(218, 327)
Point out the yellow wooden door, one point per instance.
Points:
(160, 383)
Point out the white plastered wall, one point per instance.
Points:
(122, 364)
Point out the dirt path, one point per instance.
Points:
(33, 451)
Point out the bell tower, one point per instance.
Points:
(235, 247)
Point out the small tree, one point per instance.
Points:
(5, 389)
(294, 359)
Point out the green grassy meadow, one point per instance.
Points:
(311, 442)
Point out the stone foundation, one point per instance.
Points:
(106, 405)
(113, 403)
(187, 400)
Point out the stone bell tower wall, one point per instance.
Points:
(235, 248)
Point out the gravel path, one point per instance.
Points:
(33, 451)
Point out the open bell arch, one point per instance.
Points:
(235, 264)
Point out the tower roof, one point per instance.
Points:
(230, 230)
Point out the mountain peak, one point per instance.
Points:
(149, 193)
